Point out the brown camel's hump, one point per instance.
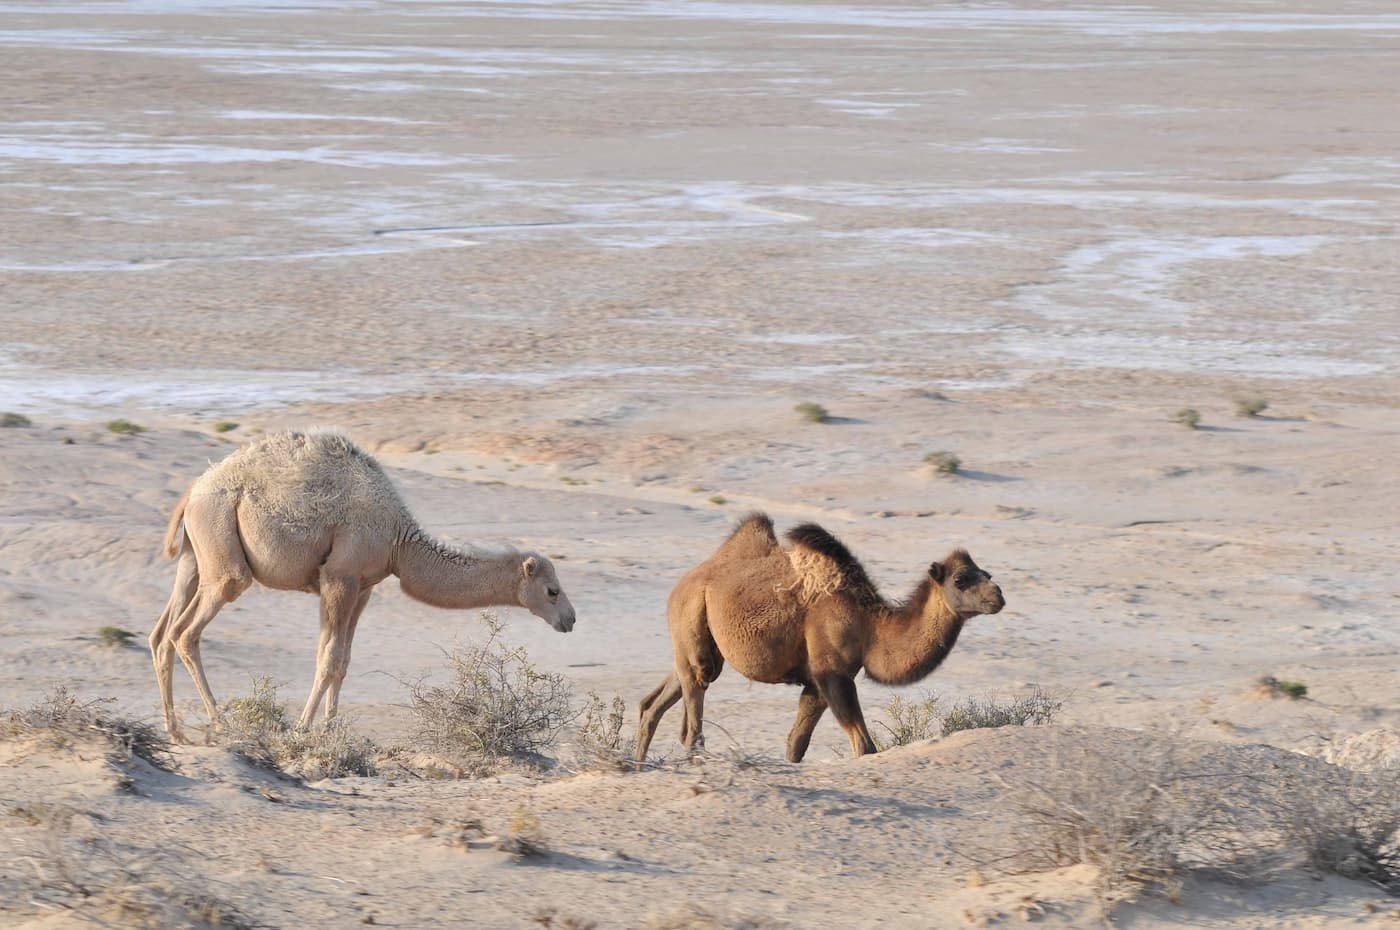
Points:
(753, 538)
(815, 551)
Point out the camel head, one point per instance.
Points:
(541, 595)
(966, 588)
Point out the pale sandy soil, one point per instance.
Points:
(567, 268)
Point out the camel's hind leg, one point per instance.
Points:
(340, 597)
(162, 648)
(338, 670)
(810, 708)
(211, 529)
(654, 707)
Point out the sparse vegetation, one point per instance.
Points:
(125, 427)
(225, 426)
(63, 720)
(980, 713)
(717, 499)
(1250, 406)
(1353, 832)
(12, 420)
(1270, 687)
(551, 919)
(812, 413)
(1188, 417)
(114, 636)
(913, 721)
(572, 481)
(943, 463)
(525, 840)
(599, 741)
(497, 704)
(698, 918)
(258, 729)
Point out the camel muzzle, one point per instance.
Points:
(565, 623)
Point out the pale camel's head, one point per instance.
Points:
(541, 594)
(966, 588)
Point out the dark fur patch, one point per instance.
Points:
(856, 584)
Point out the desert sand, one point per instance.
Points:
(566, 269)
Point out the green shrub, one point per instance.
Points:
(225, 426)
(125, 427)
(812, 413)
(943, 463)
(1188, 417)
(114, 636)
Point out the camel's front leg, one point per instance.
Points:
(810, 707)
(338, 599)
(163, 647)
(840, 694)
(338, 671)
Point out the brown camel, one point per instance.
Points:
(312, 512)
(807, 615)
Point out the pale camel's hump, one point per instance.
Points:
(315, 479)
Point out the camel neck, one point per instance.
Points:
(443, 576)
(908, 641)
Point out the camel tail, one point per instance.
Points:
(174, 533)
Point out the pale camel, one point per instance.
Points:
(807, 615)
(312, 512)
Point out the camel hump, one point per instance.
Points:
(826, 565)
(753, 538)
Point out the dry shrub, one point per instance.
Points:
(979, 713)
(101, 883)
(551, 919)
(599, 742)
(496, 705)
(14, 420)
(914, 721)
(1352, 831)
(258, 729)
(1149, 814)
(62, 720)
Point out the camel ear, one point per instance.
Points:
(530, 566)
(937, 572)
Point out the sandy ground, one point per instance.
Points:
(567, 268)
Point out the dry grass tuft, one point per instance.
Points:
(62, 720)
(496, 705)
(551, 919)
(114, 636)
(125, 427)
(943, 463)
(1267, 686)
(694, 917)
(1188, 417)
(1250, 406)
(525, 840)
(225, 426)
(812, 413)
(258, 729)
(913, 721)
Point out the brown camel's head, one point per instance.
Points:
(541, 595)
(967, 589)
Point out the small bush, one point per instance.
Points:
(1250, 406)
(496, 705)
(975, 714)
(1188, 417)
(1353, 832)
(1271, 687)
(125, 427)
(62, 720)
(225, 426)
(599, 741)
(914, 721)
(718, 500)
(114, 636)
(812, 413)
(11, 420)
(258, 729)
(943, 463)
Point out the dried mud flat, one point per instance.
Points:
(567, 269)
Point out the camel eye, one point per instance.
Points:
(964, 581)
(552, 592)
